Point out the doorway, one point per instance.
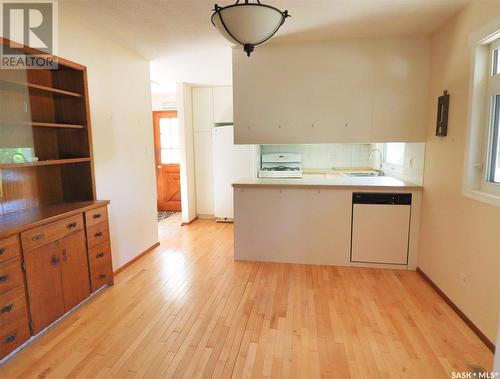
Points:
(167, 159)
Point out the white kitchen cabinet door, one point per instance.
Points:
(223, 104)
(357, 90)
(230, 163)
(380, 233)
(203, 109)
(401, 87)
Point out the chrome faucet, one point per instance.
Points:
(372, 153)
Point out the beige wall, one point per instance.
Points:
(120, 106)
(459, 236)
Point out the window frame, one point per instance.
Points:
(492, 112)
(483, 84)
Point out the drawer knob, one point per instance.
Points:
(54, 261)
(97, 215)
(7, 308)
(2, 250)
(99, 255)
(102, 276)
(11, 338)
(38, 237)
(98, 234)
(72, 225)
(4, 278)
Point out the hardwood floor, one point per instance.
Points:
(188, 310)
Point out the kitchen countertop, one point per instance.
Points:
(378, 182)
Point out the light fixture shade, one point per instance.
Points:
(248, 24)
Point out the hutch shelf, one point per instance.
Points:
(54, 234)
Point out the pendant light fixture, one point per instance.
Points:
(248, 24)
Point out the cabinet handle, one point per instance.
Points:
(97, 215)
(65, 257)
(7, 308)
(99, 255)
(98, 234)
(11, 338)
(54, 261)
(102, 276)
(2, 250)
(72, 225)
(38, 237)
(4, 278)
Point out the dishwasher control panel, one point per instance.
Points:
(381, 198)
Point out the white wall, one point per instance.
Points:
(120, 106)
(164, 101)
(459, 236)
(186, 141)
(357, 90)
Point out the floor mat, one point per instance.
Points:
(163, 215)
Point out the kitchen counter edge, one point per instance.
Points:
(366, 183)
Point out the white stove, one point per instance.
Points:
(281, 165)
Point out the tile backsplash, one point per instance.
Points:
(356, 155)
(327, 155)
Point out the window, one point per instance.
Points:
(493, 173)
(482, 163)
(169, 141)
(395, 153)
(493, 147)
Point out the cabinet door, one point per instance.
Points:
(223, 104)
(43, 277)
(74, 269)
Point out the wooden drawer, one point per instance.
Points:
(51, 232)
(13, 335)
(101, 267)
(9, 248)
(95, 216)
(13, 306)
(97, 234)
(11, 274)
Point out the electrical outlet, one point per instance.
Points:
(463, 279)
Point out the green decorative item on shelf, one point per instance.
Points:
(17, 155)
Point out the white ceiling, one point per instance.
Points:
(180, 41)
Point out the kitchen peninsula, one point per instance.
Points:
(322, 221)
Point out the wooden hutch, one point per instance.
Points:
(54, 234)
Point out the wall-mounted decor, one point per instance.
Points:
(442, 114)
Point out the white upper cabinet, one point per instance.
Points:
(364, 90)
(400, 103)
(203, 109)
(223, 104)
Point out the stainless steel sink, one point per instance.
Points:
(363, 174)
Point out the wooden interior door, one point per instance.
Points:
(43, 279)
(74, 269)
(167, 154)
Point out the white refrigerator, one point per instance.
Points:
(230, 163)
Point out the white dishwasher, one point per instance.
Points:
(380, 227)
